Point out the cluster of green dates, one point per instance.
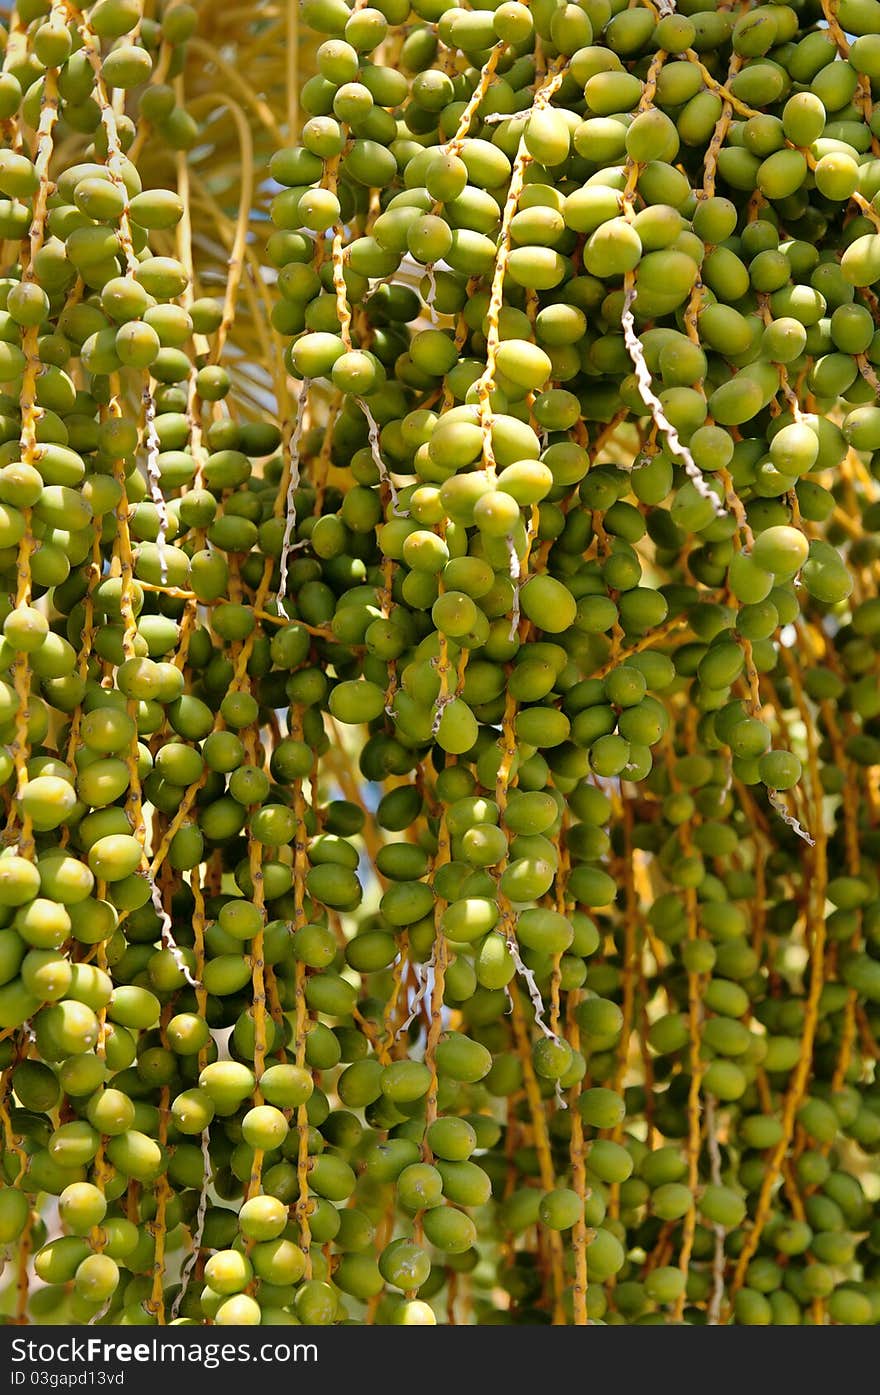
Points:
(442, 829)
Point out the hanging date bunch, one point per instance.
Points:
(440, 693)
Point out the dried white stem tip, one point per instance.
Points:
(423, 974)
(292, 487)
(373, 428)
(779, 805)
(515, 575)
(432, 290)
(154, 480)
(716, 1299)
(167, 936)
(655, 406)
(189, 1263)
(531, 985)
